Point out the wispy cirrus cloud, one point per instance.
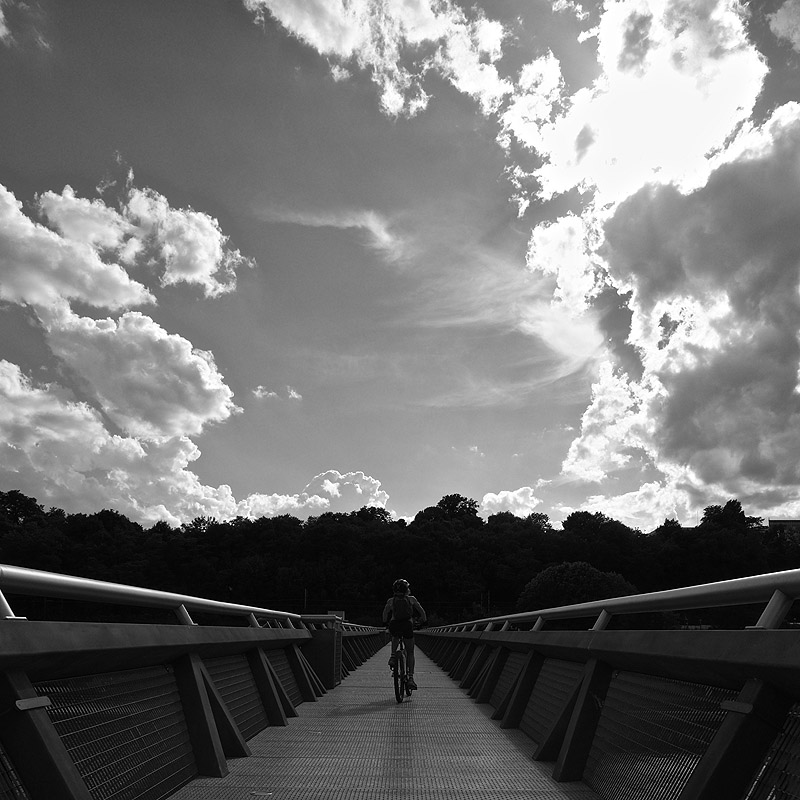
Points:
(376, 228)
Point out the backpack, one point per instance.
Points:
(401, 607)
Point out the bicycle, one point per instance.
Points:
(400, 673)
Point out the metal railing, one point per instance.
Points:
(78, 700)
(777, 589)
(21, 580)
(640, 712)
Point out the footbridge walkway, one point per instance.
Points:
(261, 703)
(357, 743)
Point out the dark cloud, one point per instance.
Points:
(636, 42)
(737, 234)
(584, 141)
(614, 319)
(724, 260)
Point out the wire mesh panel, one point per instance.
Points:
(507, 677)
(651, 734)
(126, 732)
(283, 669)
(337, 657)
(11, 787)
(235, 682)
(555, 682)
(779, 776)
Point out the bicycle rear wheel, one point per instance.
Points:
(399, 675)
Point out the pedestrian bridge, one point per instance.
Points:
(262, 703)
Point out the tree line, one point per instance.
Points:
(459, 565)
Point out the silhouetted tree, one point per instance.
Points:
(571, 583)
(458, 564)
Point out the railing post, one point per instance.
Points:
(34, 746)
(5, 609)
(183, 616)
(493, 672)
(738, 748)
(550, 744)
(601, 623)
(267, 685)
(774, 614)
(203, 733)
(301, 676)
(522, 692)
(583, 723)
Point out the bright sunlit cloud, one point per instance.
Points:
(520, 502)
(382, 37)
(330, 491)
(676, 79)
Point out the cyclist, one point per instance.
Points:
(399, 611)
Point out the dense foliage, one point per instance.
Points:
(459, 565)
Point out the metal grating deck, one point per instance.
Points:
(357, 743)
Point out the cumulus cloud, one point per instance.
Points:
(611, 426)
(570, 7)
(84, 253)
(152, 384)
(5, 33)
(350, 487)
(647, 506)
(189, 243)
(785, 23)
(273, 505)
(561, 249)
(398, 42)
(116, 433)
(39, 267)
(329, 491)
(262, 393)
(716, 323)
(60, 451)
(143, 391)
(520, 502)
(81, 220)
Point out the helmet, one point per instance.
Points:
(400, 586)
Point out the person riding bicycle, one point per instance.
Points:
(399, 612)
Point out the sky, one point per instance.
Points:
(263, 257)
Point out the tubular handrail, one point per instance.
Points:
(22, 580)
(778, 589)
